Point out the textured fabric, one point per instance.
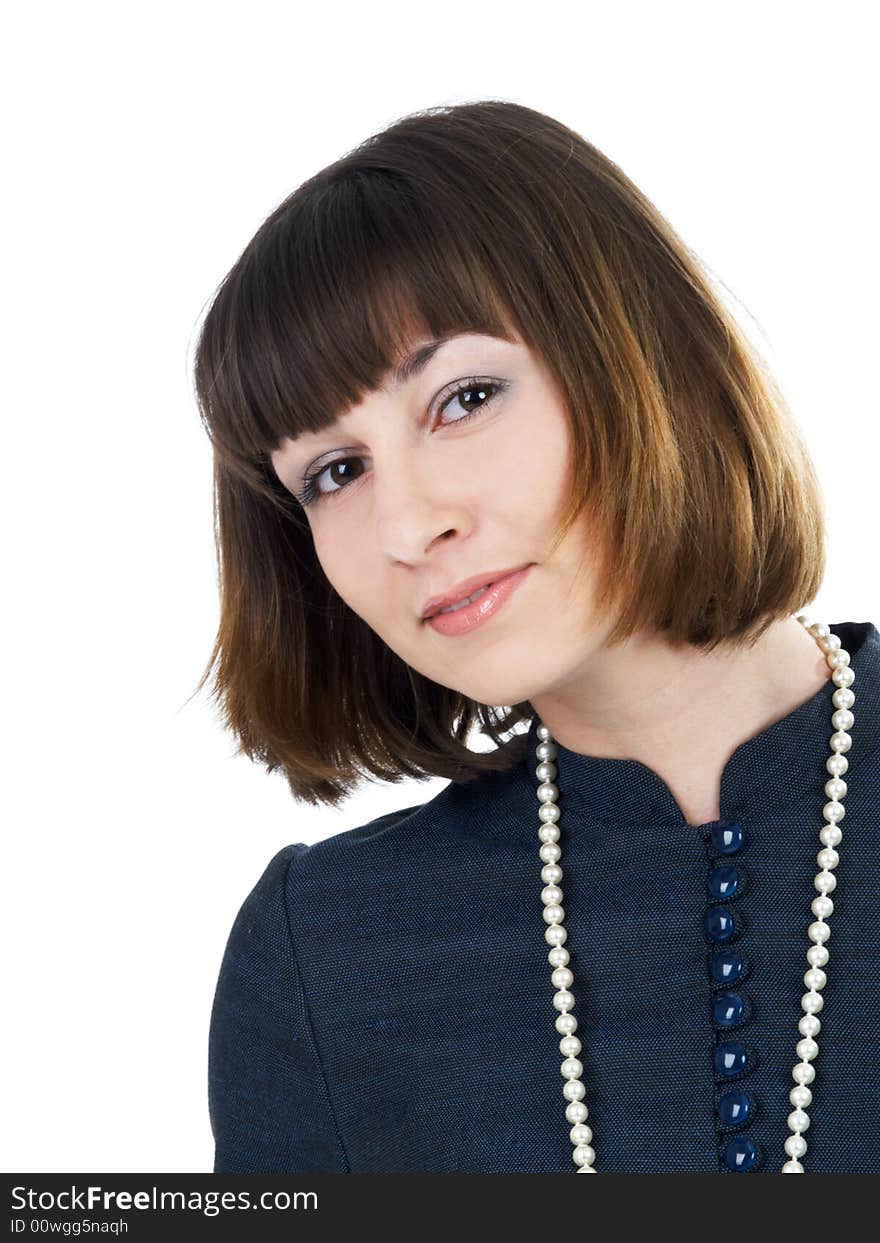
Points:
(385, 1004)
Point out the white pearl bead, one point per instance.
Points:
(543, 732)
(551, 873)
(580, 1133)
(809, 1025)
(556, 934)
(843, 697)
(815, 979)
(545, 771)
(576, 1111)
(822, 906)
(843, 677)
(800, 1096)
(584, 1155)
(563, 1000)
(549, 852)
(807, 1048)
(819, 932)
(830, 835)
(571, 1068)
(828, 858)
(838, 659)
(547, 792)
(834, 811)
(812, 1002)
(554, 913)
(817, 955)
(842, 719)
(566, 1024)
(549, 813)
(825, 882)
(549, 833)
(546, 750)
(803, 1072)
(792, 1167)
(795, 1145)
(569, 1046)
(836, 788)
(551, 894)
(798, 1120)
(821, 630)
(830, 643)
(558, 956)
(562, 977)
(573, 1090)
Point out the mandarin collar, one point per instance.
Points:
(782, 763)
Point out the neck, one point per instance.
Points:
(680, 711)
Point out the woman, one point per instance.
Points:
(470, 354)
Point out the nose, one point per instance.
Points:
(414, 509)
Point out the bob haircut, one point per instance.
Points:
(485, 217)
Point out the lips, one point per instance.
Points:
(460, 591)
(464, 602)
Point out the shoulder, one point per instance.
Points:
(345, 877)
(344, 852)
(414, 841)
(344, 888)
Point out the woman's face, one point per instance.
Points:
(410, 500)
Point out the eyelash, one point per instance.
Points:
(310, 493)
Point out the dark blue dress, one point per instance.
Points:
(385, 1005)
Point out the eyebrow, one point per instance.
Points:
(416, 362)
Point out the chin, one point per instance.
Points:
(500, 691)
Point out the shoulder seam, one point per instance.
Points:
(306, 1008)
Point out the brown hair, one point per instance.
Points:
(480, 217)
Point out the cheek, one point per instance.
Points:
(343, 561)
(514, 461)
(532, 468)
(334, 556)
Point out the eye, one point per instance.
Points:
(485, 392)
(473, 389)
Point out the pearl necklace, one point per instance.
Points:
(818, 932)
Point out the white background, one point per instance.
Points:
(143, 146)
